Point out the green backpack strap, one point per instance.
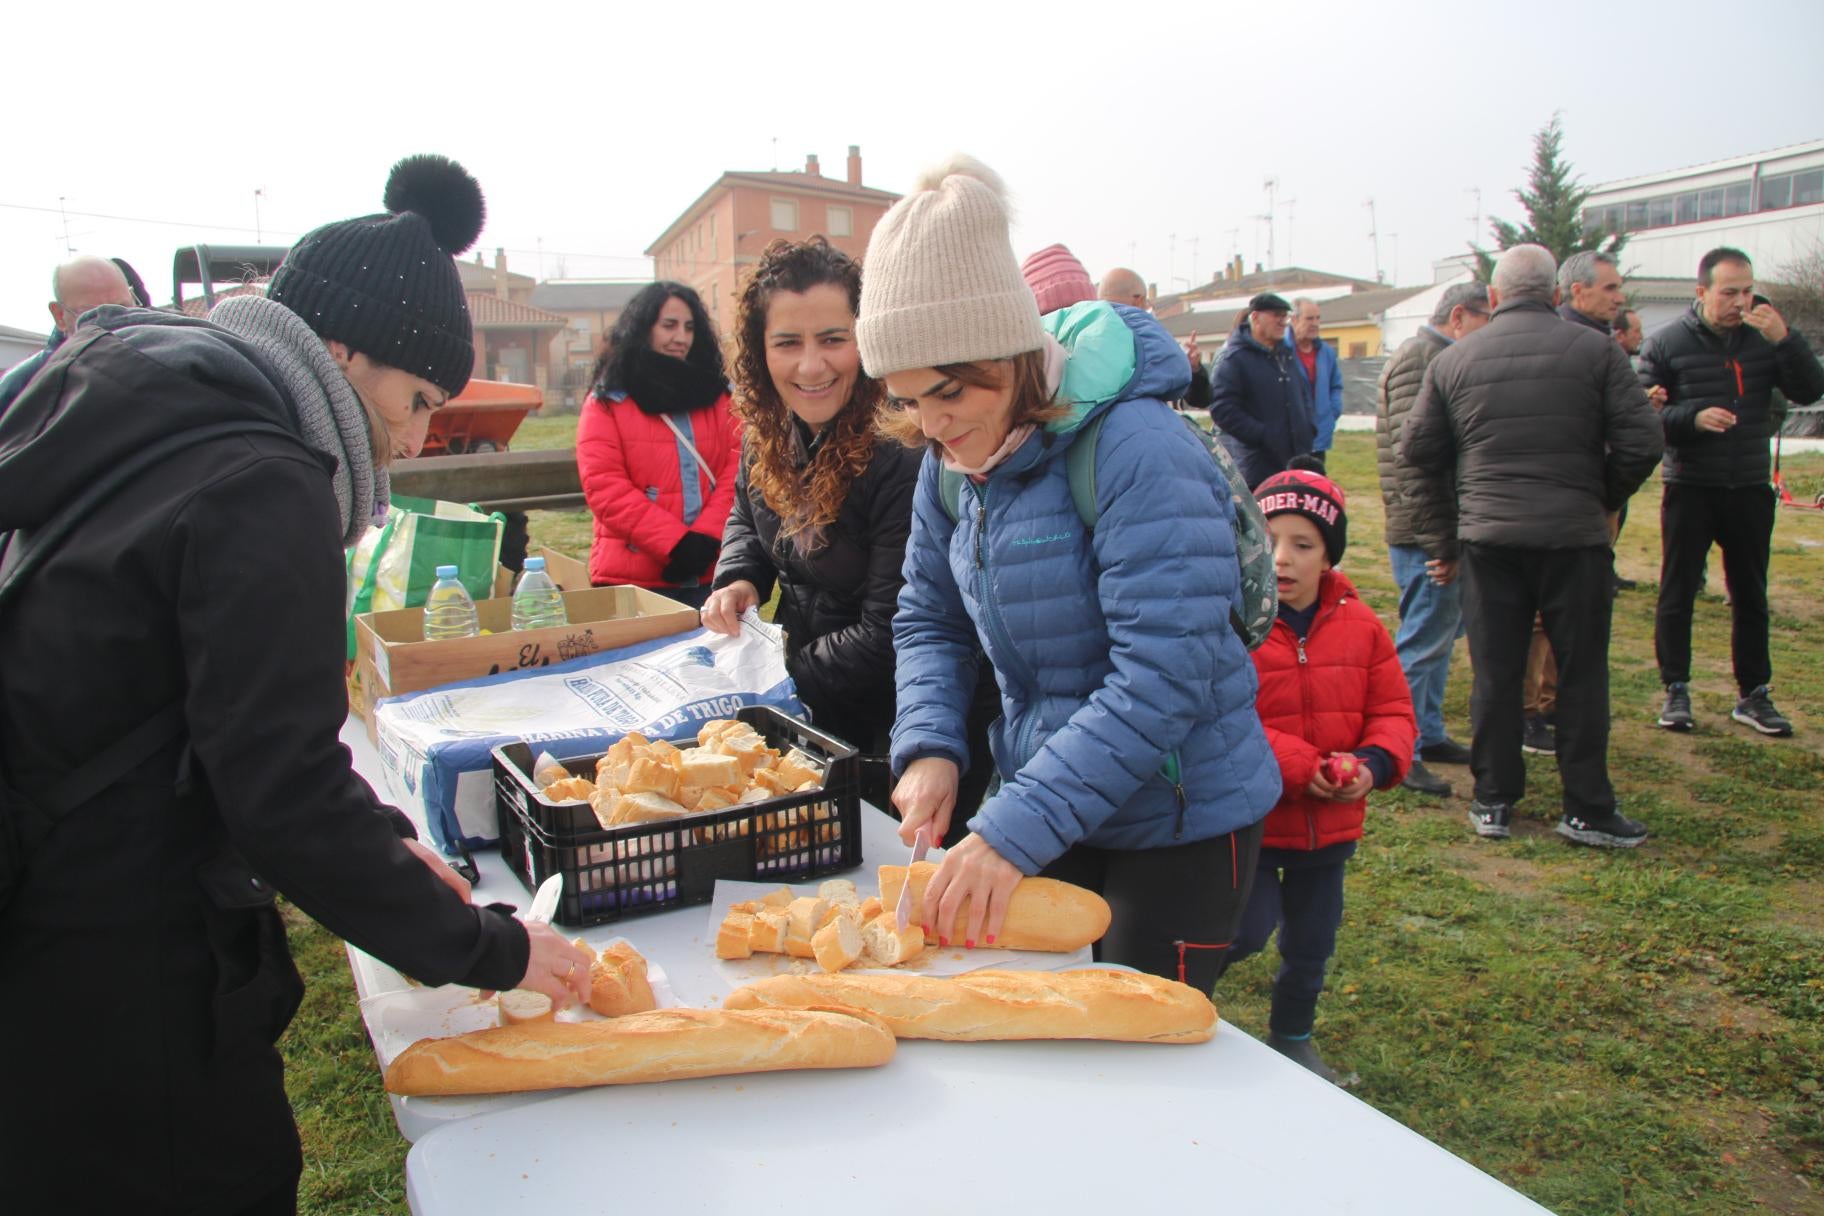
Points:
(950, 493)
(1080, 468)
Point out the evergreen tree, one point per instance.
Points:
(1554, 209)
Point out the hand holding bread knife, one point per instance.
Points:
(554, 966)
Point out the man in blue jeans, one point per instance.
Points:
(1431, 617)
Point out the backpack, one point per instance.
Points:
(1257, 601)
(26, 823)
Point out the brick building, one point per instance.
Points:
(723, 231)
(512, 335)
(590, 307)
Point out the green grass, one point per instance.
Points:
(1638, 1032)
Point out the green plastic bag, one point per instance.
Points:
(394, 565)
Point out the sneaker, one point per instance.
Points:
(1538, 738)
(1756, 710)
(1445, 751)
(1302, 1053)
(1612, 831)
(1676, 713)
(1490, 818)
(1421, 780)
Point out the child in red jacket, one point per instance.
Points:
(1339, 716)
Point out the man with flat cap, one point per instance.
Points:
(1262, 399)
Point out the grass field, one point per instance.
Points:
(1639, 1032)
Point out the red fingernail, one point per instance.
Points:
(943, 941)
(969, 944)
(991, 939)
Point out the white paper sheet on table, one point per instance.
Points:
(401, 1018)
(936, 960)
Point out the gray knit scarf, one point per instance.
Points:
(330, 415)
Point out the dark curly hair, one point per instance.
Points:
(633, 331)
(809, 500)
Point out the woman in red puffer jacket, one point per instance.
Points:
(1338, 714)
(658, 448)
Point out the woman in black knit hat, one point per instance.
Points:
(169, 717)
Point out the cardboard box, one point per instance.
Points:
(392, 657)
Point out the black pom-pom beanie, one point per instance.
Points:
(386, 285)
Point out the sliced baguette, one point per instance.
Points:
(1044, 914)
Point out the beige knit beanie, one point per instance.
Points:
(940, 283)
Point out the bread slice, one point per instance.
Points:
(837, 944)
(646, 808)
(806, 915)
(520, 1005)
(734, 938)
(653, 776)
(887, 944)
(870, 908)
(618, 983)
(768, 932)
(839, 891)
(779, 897)
(701, 766)
(570, 789)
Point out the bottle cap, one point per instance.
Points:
(446, 572)
(535, 563)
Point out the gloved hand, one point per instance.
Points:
(690, 559)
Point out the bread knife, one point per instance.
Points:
(544, 903)
(902, 911)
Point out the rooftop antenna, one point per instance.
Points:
(1194, 242)
(1375, 236)
(775, 154)
(258, 234)
(1475, 221)
(1395, 238)
(68, 248)
(1272, 188)
(1289, 205)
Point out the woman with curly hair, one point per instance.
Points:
(822, 504)
(657, 447)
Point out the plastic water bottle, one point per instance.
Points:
(448, 610)
(537, 603)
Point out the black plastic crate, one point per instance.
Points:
(610, 873)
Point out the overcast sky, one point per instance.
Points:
(1117, 126)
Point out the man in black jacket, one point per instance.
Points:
(1545, 430)
(1261, 397)
(1718, 366)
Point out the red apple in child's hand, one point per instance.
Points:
(1341, 769)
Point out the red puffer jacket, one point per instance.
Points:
(632, 474)
(1340, 689)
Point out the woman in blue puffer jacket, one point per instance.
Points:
(1130, 756)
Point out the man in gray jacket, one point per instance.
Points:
(1545, 431)
(1431, 612)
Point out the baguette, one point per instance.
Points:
(667, 1045)
(1044, 914)
(735, 936)
(1092, 1004)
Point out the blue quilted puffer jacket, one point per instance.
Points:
(1127, 702)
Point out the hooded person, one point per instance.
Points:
(168, 727)
(1128, 752)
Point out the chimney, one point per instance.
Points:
(1238, 271)
(854, 164)
(500, 272)
(810, 166)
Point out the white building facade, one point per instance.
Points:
(1770, 205)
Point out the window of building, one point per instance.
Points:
(785, 215)
(1358, 350)
(1687, 208)
(1637, 215)
(1808, 188)
(1659, 212)
(1776, 192)
(1736, 198)
(841, 222)
(1710, 204)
